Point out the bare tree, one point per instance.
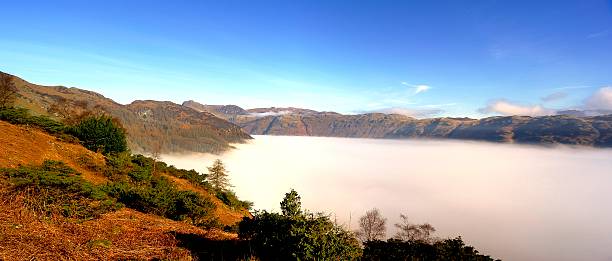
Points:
(156, 153)
(8, 91)
(414, 232)
(372, 226)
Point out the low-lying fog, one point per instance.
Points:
(513, 202)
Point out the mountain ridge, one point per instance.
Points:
(152, 126)
(569, 129)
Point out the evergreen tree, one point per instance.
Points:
(218, 176)
(101, 133)
(291, 206)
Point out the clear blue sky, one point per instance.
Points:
(436, 58)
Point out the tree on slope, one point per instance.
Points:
(8, 91)
(101, 134)
(218, 176)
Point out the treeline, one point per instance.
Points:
(411, 242)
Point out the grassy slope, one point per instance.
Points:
(125, 233)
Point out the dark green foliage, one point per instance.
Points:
(137, 187)
(394, 249)
(230, 199)
(160, 197)
(226, 196)
(298, 236)
(291, 205)
(20, 116)
(55, 188)
(192, 176)
(101, 134)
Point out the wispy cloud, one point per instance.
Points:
(554, 97)
(439, 105)
(599, 34)
(418, 88)
(411, 112)
(573, 87)
(508, 108)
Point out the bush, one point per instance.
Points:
(55, 188)
(395, 249)
(192, 176)
(294, 235)
(230, 199)
(21, 116)
(160, 197)
(101, 134)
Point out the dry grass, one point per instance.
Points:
(124, 234)
(119, 235)
(28, 146)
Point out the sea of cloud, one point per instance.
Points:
(514, 202)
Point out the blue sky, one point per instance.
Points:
(426, 58)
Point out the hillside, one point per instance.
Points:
(31, 231)
(151, 125)
(563, 129)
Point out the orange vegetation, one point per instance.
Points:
(29, 146)
(123, 234)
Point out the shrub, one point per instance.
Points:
(21, 116)
(395, 249)
(101, 134)
(55, 188)
(160, 197)
(230, 199)
(192, 176)
(294, 235)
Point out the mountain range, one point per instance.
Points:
(164, 126)
(573, 128)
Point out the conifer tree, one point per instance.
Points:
(218, 176)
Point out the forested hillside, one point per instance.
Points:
(152, 126)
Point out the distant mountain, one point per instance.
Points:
(563, 129)
(223, 111)
(151, 125)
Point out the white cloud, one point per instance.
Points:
(411, 112)
(507, 108)
(600, 100)
(418, 88)
(421, 88)
(269, 113)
